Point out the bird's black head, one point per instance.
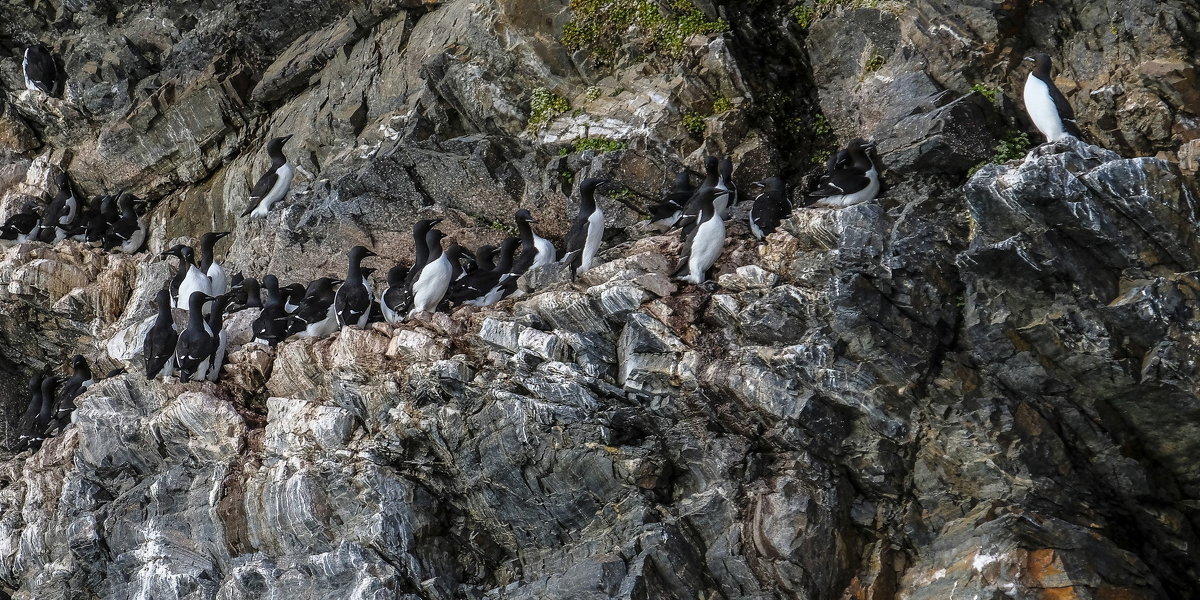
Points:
(726, 167)
(186, 253)
(176, 250)
(79, 362)
(61, 179)
(397, 274)
(590, 184)
(271, 282)
(358, 253)
(276, 144)
(197, 300)
(211, 238)
(162, 298)
(711, 164)
(1041, 63)
(35, 382)
(524, 215)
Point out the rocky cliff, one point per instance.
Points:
(982, 385)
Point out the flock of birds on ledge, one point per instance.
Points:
(437, 280)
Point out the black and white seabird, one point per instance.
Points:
(434, 279)
(485, 258)
(62, 214)
(705, 242)
(1047, 106)
(195, 346)
(397, 295)
(26, 430)
(293, 295)
(667, 212)
(771, 206)
(41, 72)
(397, 300)
(273, 184)
(588, 229)
(209, 266)
(725, 182)
(216, 322)
(193, 279)
(22, 226)
(506, 282)
(855, 182)
(352, 302)
(45, 418)
(73, 387)
(271, 325)
(691, 210)
(128, 233)
(316, 316)
(535, 250)
(101, 215)
(159, 346)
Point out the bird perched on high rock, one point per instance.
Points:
(705, 242)
(194, 349)
(41, 72)
(1047, 106)
(218, 283)
(771, 206)
(854, 182)
(273, 185)
(159, 346)
(535, 249)
(434, 279)
(588, 229)
(667, 212)
(352, 302)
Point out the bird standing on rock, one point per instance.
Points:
(434, 279)
(353, 299)
(770, 207)
(209, 266)
(158, 348)
(854, 182)
(535, 249)
(588, 229)
(41, 72)
(705, 242)
(273, 185)
(195, 346)
(1046, 105)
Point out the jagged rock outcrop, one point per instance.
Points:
(975, 387)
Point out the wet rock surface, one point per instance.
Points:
(978, 386)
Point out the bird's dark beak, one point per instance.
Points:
(222, 234)
(758, 184)
(435, 222)
(369, 253)
(1029, 58)
(336, 281)
(286, 138)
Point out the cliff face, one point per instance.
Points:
(979, 386)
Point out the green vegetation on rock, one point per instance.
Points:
(602, 26)
(544, 106)
(694, 124)
(986, 91)
(598, 143)
(1012, 147)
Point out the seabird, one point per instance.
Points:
(725, 182)
(770, 207)
(691, 210)
(270, 327)
(535, 250)
(855, 182)
(1046, 105)
(293, 295)
(194, 280)
(62, 213)
(159, 346)
(273, 185)
(398, 299)
(22, 226)
(505, 280)
(209, 266)
(397, 294)
(434, 279)
(195, 346)
(317, 316)
(352, 301)
(216, 318)
(588, 229)
(41, 72)
(73, 387)
(704, 244)
(667, 212)
(129, 231)
(45, 416)
(27, 425)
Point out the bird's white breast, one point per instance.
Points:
(1041, 109)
